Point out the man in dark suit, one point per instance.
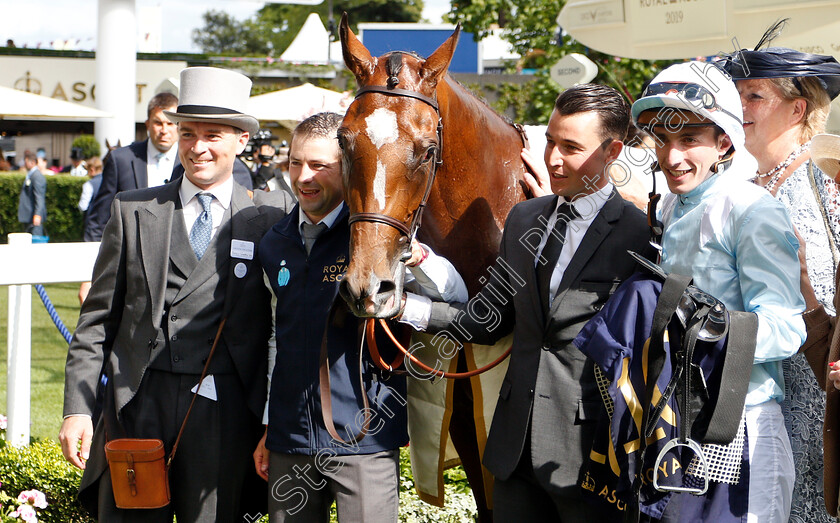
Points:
(32, 206)
(128, 167)
(174, 264)
(560, 258)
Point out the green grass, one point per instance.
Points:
(49, 353)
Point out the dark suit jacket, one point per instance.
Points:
(548, 379)
(119, 327)
(33, 198)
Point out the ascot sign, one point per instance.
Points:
(72, 79)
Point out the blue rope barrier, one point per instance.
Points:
(52, 312)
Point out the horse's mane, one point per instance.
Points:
(481, 99)
(451, 79)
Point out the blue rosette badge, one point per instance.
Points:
(283, 274)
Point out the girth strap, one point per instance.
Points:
(737, 366)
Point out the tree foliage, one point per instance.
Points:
(224, 34)
(272, 29)
(531, 28)
(88, 144)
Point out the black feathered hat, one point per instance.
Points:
(781, 62)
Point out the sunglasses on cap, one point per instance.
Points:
(697, 95)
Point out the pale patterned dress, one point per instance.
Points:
(804, 405)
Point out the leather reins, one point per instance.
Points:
(403, 352)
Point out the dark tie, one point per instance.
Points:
(551, 252)
(202, 229)
(311, 233)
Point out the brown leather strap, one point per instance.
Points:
(379, 218)
(374, 350)
(325, 388)
(377, 359)
(195, 394)
(398, 92)
(523, 135)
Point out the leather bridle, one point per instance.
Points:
(407, 230)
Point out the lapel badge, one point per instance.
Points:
(240, 270)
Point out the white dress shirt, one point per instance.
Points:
(588, 207)
(159, 169)
(192, 207)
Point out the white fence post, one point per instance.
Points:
(24, 264)
(20, 353)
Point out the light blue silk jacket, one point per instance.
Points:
(738, 244)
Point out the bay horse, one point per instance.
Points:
(415, 139)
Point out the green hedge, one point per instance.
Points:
(41, 466)
(65, 222)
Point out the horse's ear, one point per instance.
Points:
(436, 64)
(356, 56)
(107, 144)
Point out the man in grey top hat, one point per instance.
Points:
(174, 262)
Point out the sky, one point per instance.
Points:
(33, 22)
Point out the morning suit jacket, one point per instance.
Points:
(33, 197)
(548, 378)
(121, 325)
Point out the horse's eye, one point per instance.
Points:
(430, 153)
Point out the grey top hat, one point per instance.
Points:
(214, 95)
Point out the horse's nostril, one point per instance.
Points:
(387, 287)
(343, 290)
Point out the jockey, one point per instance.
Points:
(737, 243)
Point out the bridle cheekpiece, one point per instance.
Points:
(410, 230)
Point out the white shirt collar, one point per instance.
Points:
(222, 192)
(153, 151)
(329, 219)
(589, 205)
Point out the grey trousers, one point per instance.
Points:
(365, 487)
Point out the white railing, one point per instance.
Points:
(22, 264)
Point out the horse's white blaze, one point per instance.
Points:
(382, 127)
(379, 184)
